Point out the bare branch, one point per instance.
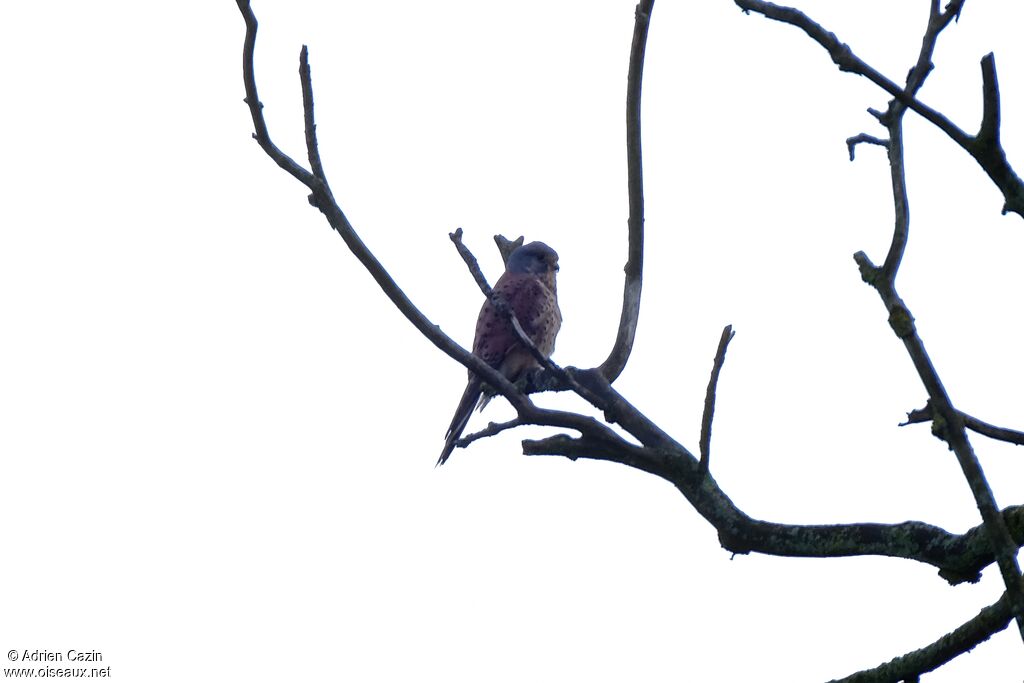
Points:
(987, 148)
(864, 138)
(575, 448)
(471, 262)
(892, 119)
(948, 425)
(901, 204)
(955, 7)
(493, 429)
(559, 444)
(252, 99)
(988, 622)
(709, 398)
(947, 422)
(959, 557)
(974, 424)
(989, 130)
(938, 20)
(616, 361)
(312, 147)
(991, 431)
(987, 151)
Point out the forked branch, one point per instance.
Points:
(984, 147)
(322, 198)
(947, 422)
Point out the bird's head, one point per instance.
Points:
(535, 258)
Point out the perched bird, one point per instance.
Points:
(528, 287)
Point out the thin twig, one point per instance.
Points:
(989, 129)
(493, 429)
(901, 203)
(709, 399)
(864, 138)
(471, 262)
(974, 424)
(991, 431)
(312, 147)
(893, 121)
(613, 366)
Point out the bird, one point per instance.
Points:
(528, 287)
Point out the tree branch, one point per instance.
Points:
(947, 423)
(974, 424)
(493, 429)
(988, 622)
(312, 147)
(613, 366)
(471, 262)
(985, 148)
(959, 557)
(252, 99)
(709, 398)
(864, 138)
(893, 121)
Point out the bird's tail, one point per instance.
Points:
(470, 397)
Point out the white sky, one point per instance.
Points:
(218, 437)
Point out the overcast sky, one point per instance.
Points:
(218, 437)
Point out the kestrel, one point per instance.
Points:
(528, 286)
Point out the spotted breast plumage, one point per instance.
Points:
(528, 287)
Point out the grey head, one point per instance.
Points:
(535, 257)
